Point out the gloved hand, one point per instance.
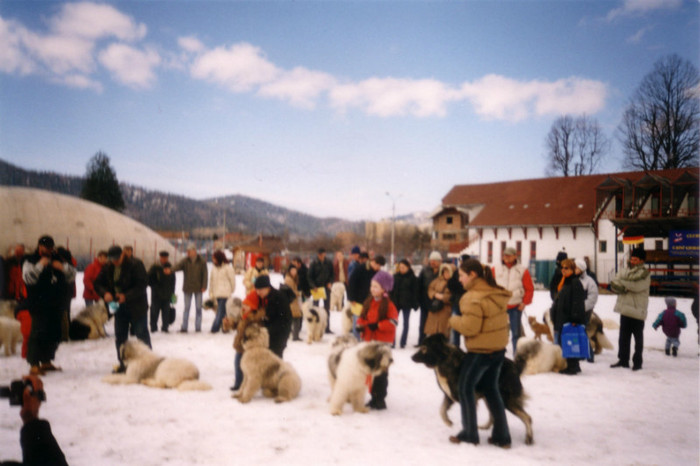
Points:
(373, 327)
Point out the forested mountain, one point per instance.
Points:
(166, 211)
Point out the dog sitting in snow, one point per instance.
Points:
(316, 317)
(146, 367)
(540, 329)
(264, 369)
(89, 324)
(350, 364)
(10, 334)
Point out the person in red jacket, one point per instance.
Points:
(89, 276)
(377, 322)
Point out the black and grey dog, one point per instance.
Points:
(436, 353)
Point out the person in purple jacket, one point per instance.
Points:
(671, 322)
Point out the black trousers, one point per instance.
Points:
(160, 308)
(630, 327)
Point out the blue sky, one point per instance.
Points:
(322, 107)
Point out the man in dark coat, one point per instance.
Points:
(278, 314)
(358, 287)
(321, 277)
(123, 281)
(303, 273)
(46, 276)
(404, 295)
(161, 279)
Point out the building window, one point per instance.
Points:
(620, 246)
(489, 252)
(448, 220)
(603, 247)
(659, 245)
(503, 248)
(519, 249)
(533, 250)
(449, 236)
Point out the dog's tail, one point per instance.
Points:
(189, 385)
(78, 331)
(603, 341)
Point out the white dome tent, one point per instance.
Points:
(81, 226)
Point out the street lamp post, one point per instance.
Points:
(393, 228)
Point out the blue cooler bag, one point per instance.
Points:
(574, 342)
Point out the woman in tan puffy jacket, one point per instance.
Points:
(484, 324)
(438, 319)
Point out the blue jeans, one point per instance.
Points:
(514, 315)
(672, 342)
(456, 336)
(220, 314)
(404, 332)
(482, 370)
(198, 308)
(237, 371)
(125, 324)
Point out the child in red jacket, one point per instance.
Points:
(378, 323)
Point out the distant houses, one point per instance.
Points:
(596, 216)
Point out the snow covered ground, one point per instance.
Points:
(601, 416)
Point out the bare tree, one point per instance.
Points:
(575, 146)
(660, 128)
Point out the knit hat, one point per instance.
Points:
(164, 254)
(581, 264)
(405, 262)
(561, 256)
(670, 302)
(114, 253)
(639, 253)
(355, 250)
(385, 280)
(510, 251)
(46, 241)
(435, 256)
(263, 281)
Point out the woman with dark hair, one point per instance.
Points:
(222, 283)
(291, 280)
(484, 324)
(568, 308)
(404, 295)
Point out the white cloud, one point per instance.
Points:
(387, 97)
(79, 81)
(13, 58)
(500, 98)
(130, 66)
(640, 7)
(300, 86)
(95, 21)
(638, 36)
(239, 68)
(190, 44)
(65, 54)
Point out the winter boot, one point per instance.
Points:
(675, 351)
(668, 351)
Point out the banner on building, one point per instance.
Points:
(632, 239)
(683, 243)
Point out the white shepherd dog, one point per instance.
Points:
(144, 366)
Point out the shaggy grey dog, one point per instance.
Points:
(264, 369)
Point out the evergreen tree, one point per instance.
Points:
(101, 185)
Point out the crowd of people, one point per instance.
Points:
(471, 304)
